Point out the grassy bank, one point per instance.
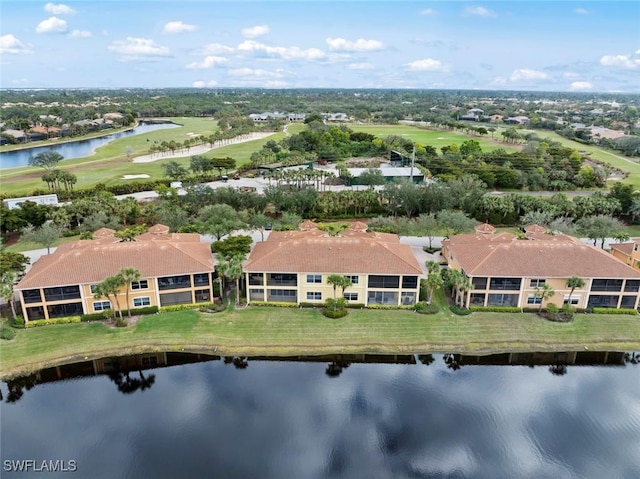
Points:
(280, 332)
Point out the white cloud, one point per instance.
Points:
(59, 9)
(208, 62)
(360, 66)
(580, 11)
(203, 84)
(425, 65)
(52, 25)
(621, 61)
(259, 73)
(479, 12)
(178, 27)
(138, 48)
(360, 45)
(286, 53)
(580, 86)
(253, 32)
(527, 74)
(428, 11)
(213, 49)
(571, 75)
(9, 44)
(79, 34)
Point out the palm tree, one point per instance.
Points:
(544, 293)
(432, 266)
(129, 275)
(338, 281)
(6, 289)
(234, 272)
(573, 283)
(108, 287)
(464, 285)
(434, 281)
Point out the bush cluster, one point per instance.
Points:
(182, 307)
(629, 311)
(390, 306)
(46, 322)
(424, 308)
(334, 314)
(277, 304)
(496, 309)
(7, 333)
(459, 311)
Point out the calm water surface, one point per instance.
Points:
(285, 419)
(76, 149)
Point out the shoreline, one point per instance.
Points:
(279, 332)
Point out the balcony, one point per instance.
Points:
(174, 282)
(279, 279)
(62, 293)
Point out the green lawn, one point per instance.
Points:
(23, 245)
(434, 138)
(265, 331)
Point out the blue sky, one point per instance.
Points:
(501, 45)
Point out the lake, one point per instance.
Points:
(173, 415)
(76, 149)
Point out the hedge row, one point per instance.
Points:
(496, 309)
(45, 322)
(459, 311)
(629, 311)
(277, 304)
(102, 315)
(182, 307)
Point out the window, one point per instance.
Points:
(537, 283)
(93, 288)
(531, 299)
(61, 293)
(286, 295)
(409, 282)
(102, 305)
(408, 298)
(175, 298)
(574, 300)
(505, 283)
(31, 296)
(256, 279)
(142, 284)
(350, 296)
(606, 285)
(502, 300)
(256, 294)
(479, 283)
(314, 296)
(632, 286)
(66, 309)
(314, 278)
(382, 297)
(602, 301)
(201, 279)
(354, 278)
(628, 302)
(477, 299)
(174, 282)
(202, 295)
(282, 279)
(140, 302)
(376, 281)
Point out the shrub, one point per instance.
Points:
(277, 304)
(390, 306)
(95, 316)
(424, 291)
(121, 323)
(216, 308)
(423, 308)
(552, 308)
(18, 322)
(46, 322)
(144, 310)
(629, 311)
(310, 305)
(426, 249)
(182, 307)
(459, 311)
(7, 333)
(338, 313)
(496, 309)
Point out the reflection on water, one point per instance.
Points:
(349, 416)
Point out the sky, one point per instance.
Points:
(541, 45)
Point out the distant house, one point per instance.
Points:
(390, 173)
(293, 266)
(335, 116)
(175, 269)
(505, 270)
(628, 252)
(267, 116)
(18, 136)
(517, 120)
(13, 203)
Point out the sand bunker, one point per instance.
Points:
(133, 177)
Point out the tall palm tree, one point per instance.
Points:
(6, 289)
(434, 281)
(129, 275)
(110, 287)
(464, 285)
(544, 293)
(338, 281)
(573, 283)
(235, 272)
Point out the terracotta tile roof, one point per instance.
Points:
(358, 226)
(103, 232)
(484, 228)
(535, 229)
(316, 252)
(308, 225)
(158, 229)
(560, 257)
(91, 261)
(626, 248)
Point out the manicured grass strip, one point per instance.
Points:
(263, 331)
